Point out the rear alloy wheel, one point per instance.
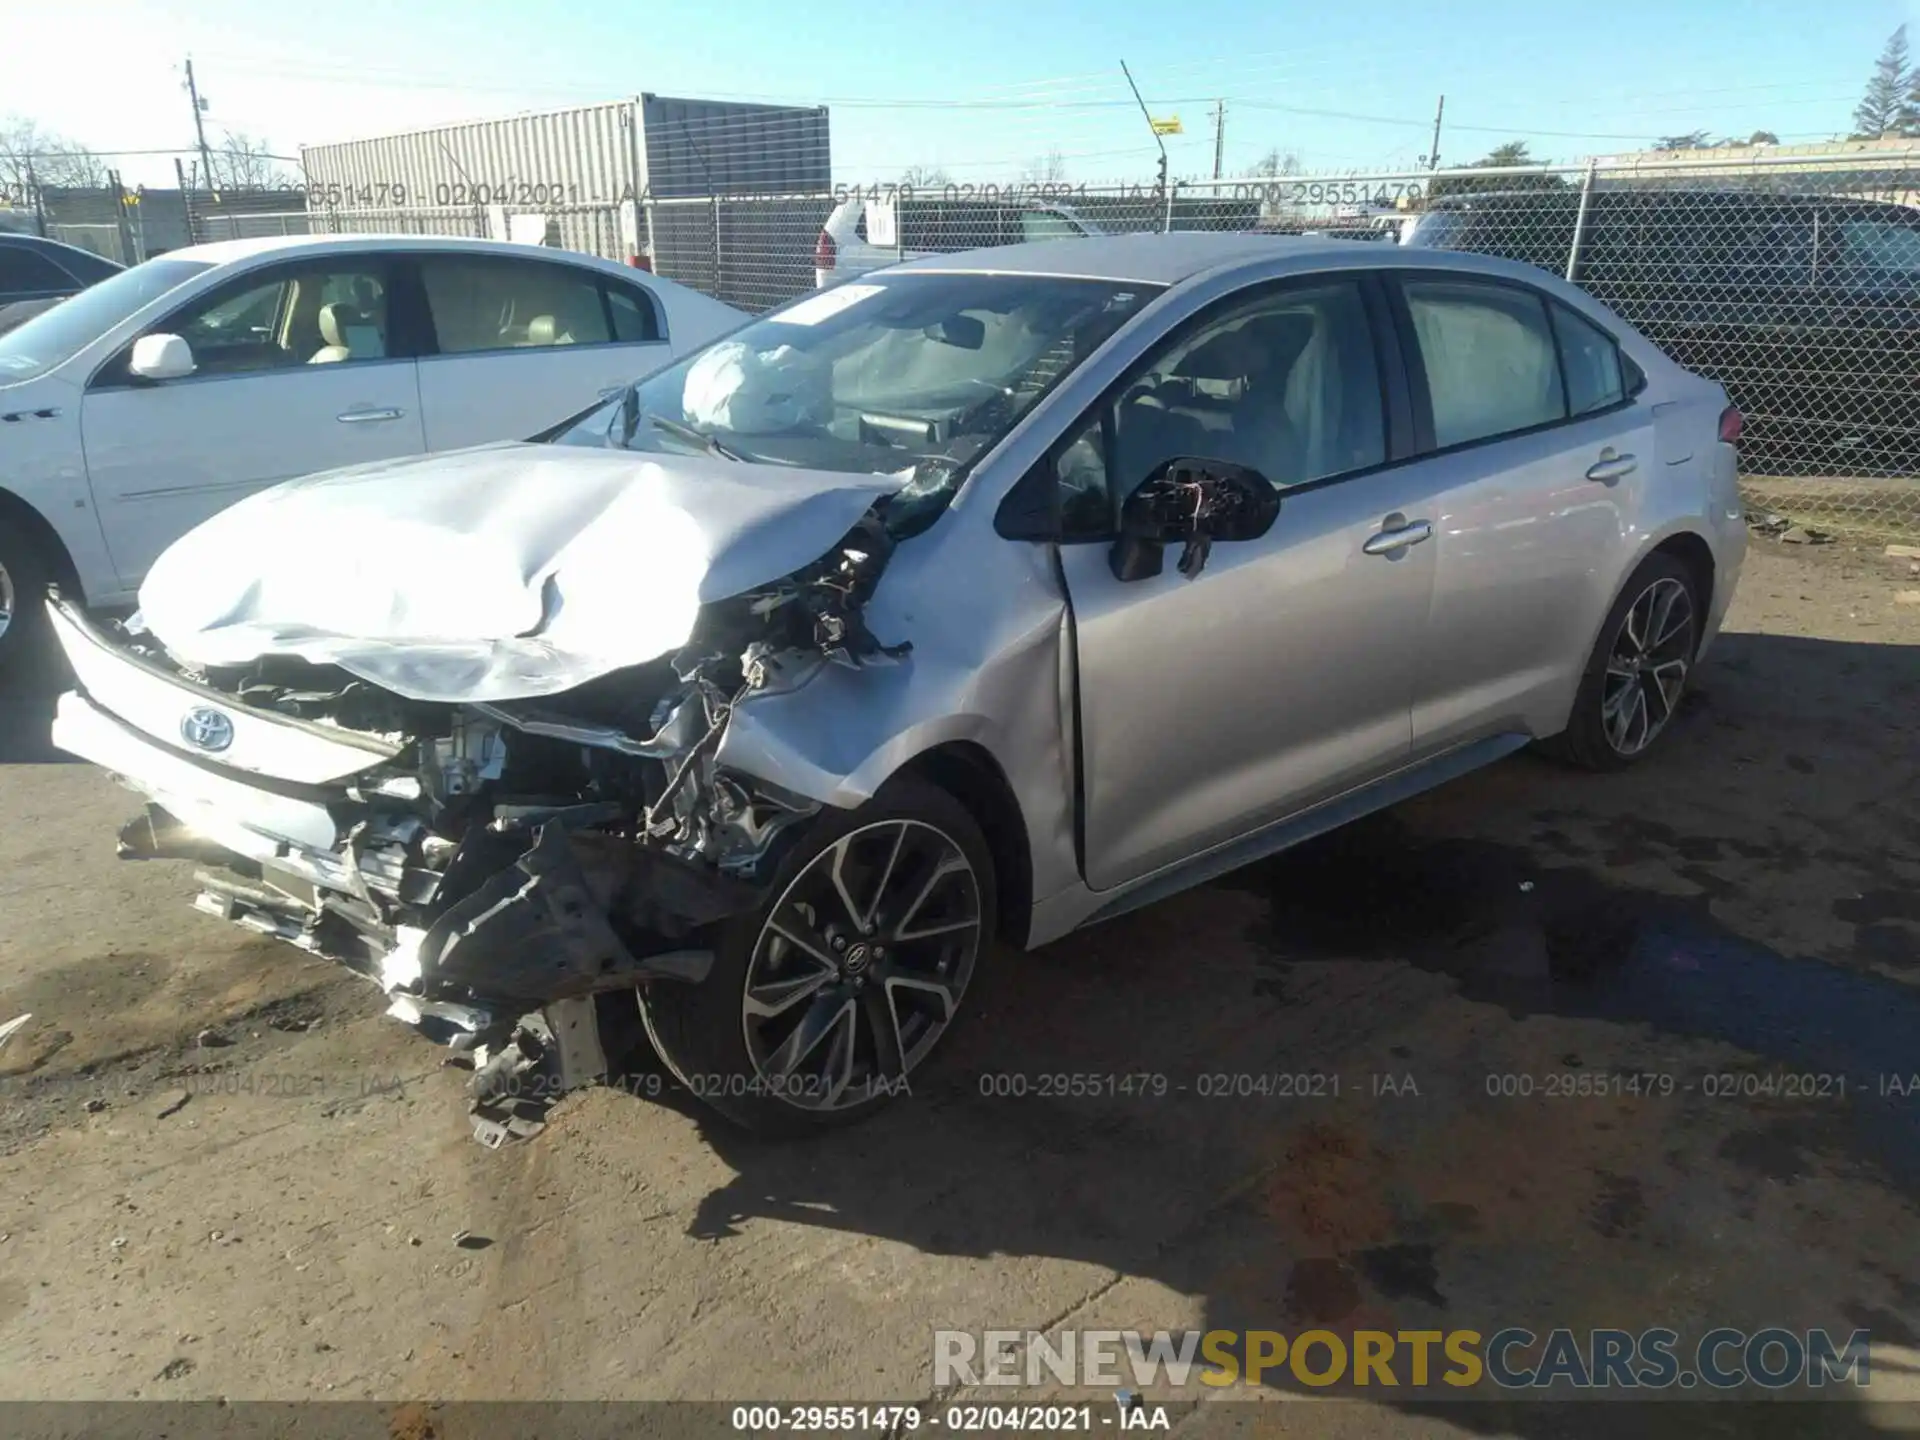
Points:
(824, 1003)
(1634, 680)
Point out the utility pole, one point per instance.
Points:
(1166, 191)
(200, 127)
(1219, 136)
(1433, 150)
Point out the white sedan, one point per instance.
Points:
(138, 408)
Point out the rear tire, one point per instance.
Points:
(1636, 677)
(824, 1002)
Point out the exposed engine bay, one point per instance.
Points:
(510, 860)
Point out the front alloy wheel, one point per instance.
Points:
(825, 1002)
(862, 964)
(1647, 667)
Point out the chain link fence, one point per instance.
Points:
(1790, 277)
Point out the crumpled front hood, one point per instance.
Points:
(495, 573)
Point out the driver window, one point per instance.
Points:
(287, 317)
(1286, 384)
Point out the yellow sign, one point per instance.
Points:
(1169, 126)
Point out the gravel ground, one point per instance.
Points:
(226, 1175)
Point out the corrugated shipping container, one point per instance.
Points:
(717, 147)
(671, 148)
(558, 157)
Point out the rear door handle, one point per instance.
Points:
(1392, 542)
(1610, 468)
(363, 417)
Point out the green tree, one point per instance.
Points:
(1502, 157)
(1889, 107)
(1692, 140)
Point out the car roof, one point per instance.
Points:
(57, 247)
(222, 252)
(1146, 258)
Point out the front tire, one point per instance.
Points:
(24, 577)
(824, 1002)
(1637, 674)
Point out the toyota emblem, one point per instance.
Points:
(205, 728)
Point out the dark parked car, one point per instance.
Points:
(37, 273)
(1805, 307)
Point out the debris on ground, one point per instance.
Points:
(291, 1024)
(211, 1040)
(1805, 535)
(176, 1105)
(1903, 552)
(1768, 522)
(94, 1106)
(1906, 597)
(6, 1030)
(467, 1240)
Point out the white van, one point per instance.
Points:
(864, 234)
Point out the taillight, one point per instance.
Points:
(1731, 422)
(640, 262)
(826, 254)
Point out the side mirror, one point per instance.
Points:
(161, 357)
(1196, 502)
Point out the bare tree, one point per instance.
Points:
(244, 163)
(1692, 140)
(925, 177)
(1049, 169)
(27, 151)
(1275, 162)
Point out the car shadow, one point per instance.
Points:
(1190, 1099)
(29, 688)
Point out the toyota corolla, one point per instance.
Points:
(985, 597)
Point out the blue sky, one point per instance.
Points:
(980, 89)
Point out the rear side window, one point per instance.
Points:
(1489, 357)
(634, 321)
(22, 270)
(493, 303)
(1590, 361)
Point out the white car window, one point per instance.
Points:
(288, 315)
(1489, 359)
(495, 303)
(1591, 362)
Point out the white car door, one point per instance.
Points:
(296, 370)
(521, 344)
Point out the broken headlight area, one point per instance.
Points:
(513, 860)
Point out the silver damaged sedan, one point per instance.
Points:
(981, 598)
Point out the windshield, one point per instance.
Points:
(58, 334)
(915, 375)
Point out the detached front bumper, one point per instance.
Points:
(323, 838)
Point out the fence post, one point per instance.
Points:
(39, 209)
(186, 199)
(127, 256)
(719, 286)
(1580, 222)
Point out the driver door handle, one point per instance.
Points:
(1609, 468)
(362, 417)
(1393, 541)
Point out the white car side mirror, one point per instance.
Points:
(161, 357)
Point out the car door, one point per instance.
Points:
(1539, 453)
(1281, 674)
(299, 366)
(520, 344)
